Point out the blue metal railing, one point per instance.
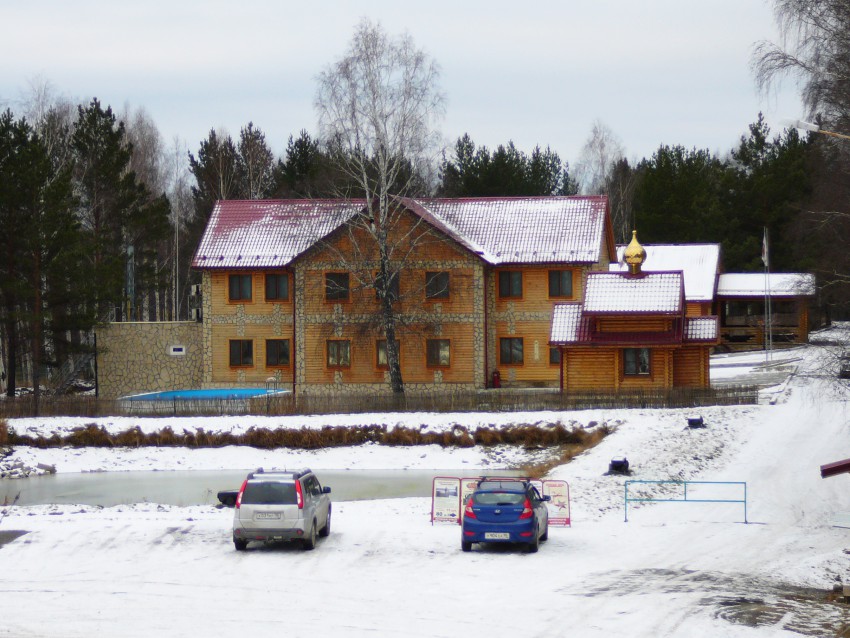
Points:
(683, 498)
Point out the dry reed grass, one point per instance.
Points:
(526, 435)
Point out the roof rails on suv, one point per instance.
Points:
(295, 474)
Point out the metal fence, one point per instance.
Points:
(501, 400)
(682, 495)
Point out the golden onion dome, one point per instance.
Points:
(635, 255)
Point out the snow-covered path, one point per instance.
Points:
(672, 570)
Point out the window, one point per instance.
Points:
(239, 288)
(241, 353)
(560, 283)
(339, 354)
(636, 361)
(277, 352)
(438, 353)
(336, 286)
(554, 356)
(436, 285)
(277, 287)
(381, 352)
(510, 283)
(510, 351)
(393, 288)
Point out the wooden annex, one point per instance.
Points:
(634, 329)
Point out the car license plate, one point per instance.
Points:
(496, 536)
(267, 515)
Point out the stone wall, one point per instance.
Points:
(147, 357)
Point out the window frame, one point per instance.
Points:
(512, 351)
(336, 344)
(560, 293)
(395, 287)
(280, 276)
(431, 277)
(512, 294)
(556, 350)
(428, 350)
(636, 362)
(288, 353)
(328, 277)
(243, 278)
(378, 364)
(241, 363)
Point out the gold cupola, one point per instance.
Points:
(634, 255)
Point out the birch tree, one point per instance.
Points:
(378, 109)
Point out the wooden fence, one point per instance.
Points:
(502, 400)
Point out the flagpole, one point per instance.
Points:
(768, 314)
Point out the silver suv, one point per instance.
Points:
(281, 505)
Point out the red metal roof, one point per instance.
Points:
(271, 233)
(568, 325)
(268, 233)
(702, 329)
(572, 326)
(510, 230)
(699, 264)
(615, 293)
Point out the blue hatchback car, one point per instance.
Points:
(505, 511)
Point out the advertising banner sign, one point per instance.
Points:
(449, 493)
(559, 505)
(445, 499)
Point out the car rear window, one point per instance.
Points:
(498, 498)
(269, 493)
(495, 484)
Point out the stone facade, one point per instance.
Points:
(149, 357)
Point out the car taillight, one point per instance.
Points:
(527, 512)
(241, 491)
(298, 495)
(468, 512)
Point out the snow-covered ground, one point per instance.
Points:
(690, 569)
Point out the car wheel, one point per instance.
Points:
(327, 528)
(240, 544)
(545, 536)
(534, 545)
(310, 540)
(466, 546)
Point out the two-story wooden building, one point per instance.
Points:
(289, 291)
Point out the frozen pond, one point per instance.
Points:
(185, 488)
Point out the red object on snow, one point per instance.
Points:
(832, 469)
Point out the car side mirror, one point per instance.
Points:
(326, 490)
(546, 498)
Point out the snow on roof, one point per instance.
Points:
(567, 323)
(614, 292)
(271, 233)
(268, 233)
(528, 229)
(790, 284)
(704, 328)
(699, 263)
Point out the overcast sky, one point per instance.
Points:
(536, 72)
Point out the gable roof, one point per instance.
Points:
(752, 284)
(268, 233)
(699, 263)
(617, 293)
(571, 327)
(512, 230)
(501, 230)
